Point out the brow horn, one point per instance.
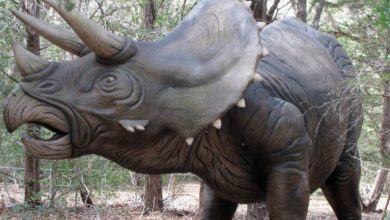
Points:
(61, 37)
(105, 44)
(27, 62)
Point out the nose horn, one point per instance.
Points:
(27, 62)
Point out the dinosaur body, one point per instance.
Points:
(170, 107)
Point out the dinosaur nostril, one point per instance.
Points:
(46, 85)
(49, 86)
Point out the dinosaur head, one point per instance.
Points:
(120, 91)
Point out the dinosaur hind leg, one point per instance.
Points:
(341, 189)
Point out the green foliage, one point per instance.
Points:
(382, 8)
(385, 76)
(10, 31)
(69, 5)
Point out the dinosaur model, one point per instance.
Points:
(259, 113)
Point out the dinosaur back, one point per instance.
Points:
(305, 66)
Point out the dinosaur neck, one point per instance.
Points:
(170, 153)
(157, 155)
(213, 154)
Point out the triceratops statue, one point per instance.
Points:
(206, 99)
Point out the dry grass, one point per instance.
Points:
(125, 205)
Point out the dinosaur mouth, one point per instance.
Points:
(54, 141)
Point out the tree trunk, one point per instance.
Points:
(85, 193)
(31, 175)
(271, 11)
(149, 14)
(135, 179)
(202, 201)
(384, 147)
(183, 8)
(257, 211)
(153, 193)
(317, 17)
(301, 10)
(86, 197)
(172, 186)
(153, 187)
(369, 205)
(259, 9)
(384, 213)
(385, 131)
(33, 43)
(31, 178)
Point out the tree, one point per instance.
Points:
(257, 211)
(150, 14)
(153, 193)
(301, 10)
(31, 177)
(259, 9)
(202, 200)
(262, 13)
(383, 67)
(318, 13)
(370, 203)
(153, 186)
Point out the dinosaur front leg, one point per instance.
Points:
(287, 185)
(285, 160)
(288, 193)
(216, 208)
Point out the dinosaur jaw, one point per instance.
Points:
(21, 109)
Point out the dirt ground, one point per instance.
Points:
(125, 205)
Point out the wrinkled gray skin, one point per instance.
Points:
(139, 105)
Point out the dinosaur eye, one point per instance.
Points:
(109, 80)
(108, 83)
(118, 88)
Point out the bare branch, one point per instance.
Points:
(183, 7)
(271, 11)
(317, 17)
(301, 10)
